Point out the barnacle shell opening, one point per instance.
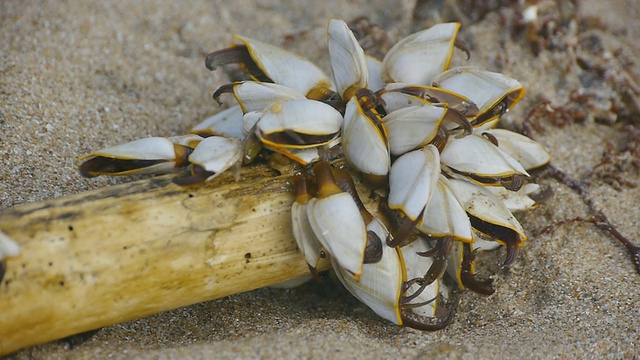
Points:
(431, 95)
(154, 155)
(286, 68)
(298, 124)
(492, 92)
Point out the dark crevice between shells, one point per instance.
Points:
(436, 95)
(401, 226)
(373, 250)
(198, 175)
(238, 54)
(456, 117)
(3, 269)
(512, 182)
(251, 146)
(292, 138)
(498, 110)
(372, 106)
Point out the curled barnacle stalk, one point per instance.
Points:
(421, 135)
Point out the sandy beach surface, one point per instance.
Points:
(77, 76)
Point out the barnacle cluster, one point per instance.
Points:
(419, 133)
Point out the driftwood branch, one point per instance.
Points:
(124, 252)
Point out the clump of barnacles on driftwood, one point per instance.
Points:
(423, 137)
(437, 183)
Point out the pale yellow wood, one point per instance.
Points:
(127, 251)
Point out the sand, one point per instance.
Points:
(80, 75)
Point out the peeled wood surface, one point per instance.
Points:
(123, 252)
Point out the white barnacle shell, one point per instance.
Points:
(454, 262)
(227, 122)
(284, 67)
(482, 204)
(419, 57)
(492, 92)
(374, 69)
(189, 140)
(478, 156)
(412, 181)
(380, 285)
(338, 225)
(445, 216)
(516, 200)
(350, 70)
(298, 124)
(337, 222)
(153, 155)
(302, 156)
(529, 153)
(8, 246)
(417, 266)
(255, 96)
(412, 127)
(308, 243)
(216, 154)
(394, 100)
(364, 140)
(480, 244)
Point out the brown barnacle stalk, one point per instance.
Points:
(324, 178)
(304, 187)
(441, 139)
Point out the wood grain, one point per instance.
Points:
(127, 251)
